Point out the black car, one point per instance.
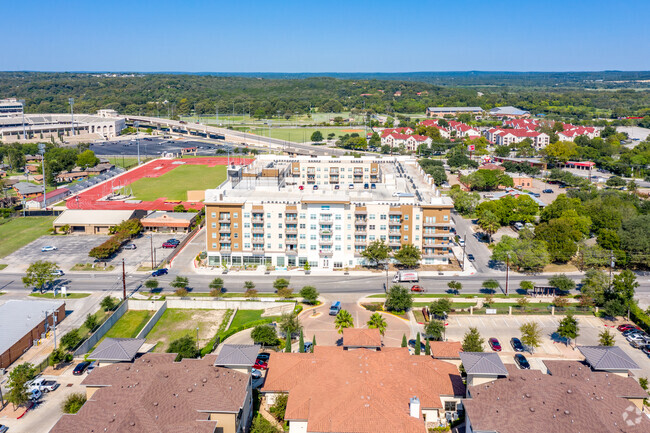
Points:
(522, 362)
(516, 345)
(263, 356)
(412, 345)
(80, 368)
(470, 257)
(173, 241)
(159, 272)
(548, 191)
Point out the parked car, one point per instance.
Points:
(35, 394)
(307, 346)
(301, 187)
(631, 331)
(42, 384)
(516, 344)
(373, 186)
(646, 349)
(548, 191)
(256, 374)
(522, 362)
(315, 187)
(470, 257)
(635, 337)
(3, 428)
(351, 186)
(494, 344)
(48, 248)
(627, 327)
(366, 186)
(417, 288)
(263, 357)
(412, 345)
(171, 243)
(335, 308)
(129, 247)
(91, 367)
(337, 186)
(640, 343)
(461, 242)
(261, 365)
(536, 194)
(58, 273)
(159, 272)
(80, 368)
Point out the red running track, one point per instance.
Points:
(90, 199)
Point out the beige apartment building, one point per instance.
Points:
(325, 211)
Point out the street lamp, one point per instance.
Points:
(136, 125)
(507, 269)
(71, 101)
(41, 150)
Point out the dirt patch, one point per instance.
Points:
(176, 323)
(560, 268)
(350, 131)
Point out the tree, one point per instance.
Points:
(531, 335)
(309, 294)
(614, 308)
(377, 321)
(440, 307)
(301, 343)
(151, 284)
(280, 283)
(180, 282)
(526, 286)
(502, 151)
(560, 302)
(434, 330)
(559, 151)
(20, 375)
(71, 339)
(279, 409)
(179, 208)
(568, 328)
(465, 202)
(109, 303)
(287, 344)
(39, 274)
(472, 341)
(489, 223)
(87, 159)
(285, 292)
(606, 338)
(398, 298)
(490, 286)
(562, 283)
(184, 347)
(594, 285)
(376, 252)
(317, 137)
(343, 320)
(523, 254)
(182, 292)
(455, 286)
(561, 237)
(427, 348)
(265, 335)
(409, 255)
(262, 425)
(248, 285)
(313, 344)
(624, 286)
(615, 181)
(73, 402)
(289, 324)
(57, 356)
(522, 303)
(91, 322)
(417, 344)
(404, 341)
(250, 293)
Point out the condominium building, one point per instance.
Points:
(325, 211)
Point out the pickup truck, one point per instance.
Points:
(42, 385)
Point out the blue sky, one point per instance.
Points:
(324, 36)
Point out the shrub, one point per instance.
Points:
(73, 402)
(182, 292)
(285, 292)
(109, 303)
(280, 407)
(215, 293)
(184, 347)
(151, 284)
(71, 340)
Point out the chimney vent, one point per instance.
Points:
(414, 406)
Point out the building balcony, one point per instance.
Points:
(329, 241)
(224, 219)
(257, 230)
(360, 230)
(395, 243)
(291, 229)
(360, 242)
(225, 249)
(326, 253)
(291, 251)
(395, 212)
(292, 241)
(325, 232)
(224, 229)
(326, 221)
(442, 224)
(258, 219)
(291, 220)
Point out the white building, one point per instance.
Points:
(10, 107)
(36, 126)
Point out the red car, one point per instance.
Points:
(627, 326)
(171, 243)
(261, 365)
(416, 288)
(494, 344)
(301, 187)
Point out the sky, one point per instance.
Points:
(324, 36)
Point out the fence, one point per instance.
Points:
(152, 322)
(102, 330)
(186, 303)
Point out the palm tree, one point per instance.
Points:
(489, 223)
(343, 320)
(377, 321)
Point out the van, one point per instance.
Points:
(518, 226)
(335, 308)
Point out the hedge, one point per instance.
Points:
(123, 232)
(640, 317)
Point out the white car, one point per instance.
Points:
(58, 273)
(397, 194)
(636, 338)
(49, 248)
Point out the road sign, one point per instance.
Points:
(490, 311)
(471, 147)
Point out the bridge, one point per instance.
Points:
(231, 136)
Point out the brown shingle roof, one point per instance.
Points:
(358, 337)
(366, 391)
(535, 402)
(156, 394)
(446, 349)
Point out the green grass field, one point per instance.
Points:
(301, 135)
(244, 316)
(174, 185)
(18, 232)
(176, 323)
(129, 324)
(67, 296)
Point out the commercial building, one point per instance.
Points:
(50, 198)
(23, 323)
(570, 398)
(11, 107)
(362, 390)
(169, 222)
(325, 211)
(92, 222)
(156, 394)
(509, 112)
(453, 111)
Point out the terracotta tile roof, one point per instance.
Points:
(530, 401)
(490, 166)
(367, 391)
(446, 349)
(156, 394)
(358, 337)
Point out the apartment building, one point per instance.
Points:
(324, 211)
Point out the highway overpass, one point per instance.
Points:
(232, 136)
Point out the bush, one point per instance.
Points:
(151, 284)
(73, 402)
(285, 292)
(71, 340)
(109, 303)
(280, 407)
(184, 347)
(215, 293)
(181, 292)
(398, 299)
(265, 335)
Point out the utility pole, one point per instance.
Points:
(151, 238)
(464, 245)
(54, 327)
(71, 101)
(611, 267)
(123, 281)
(41, 149)
(507, 271)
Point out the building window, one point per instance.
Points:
(337, 216)
(382, 237)
(268, 215)
(214, 225)
(382, 227)
(406, 227)
(371, 227)
(236, 235)
(337, 227)
(214, 245)
(247, 235)
(445, 217)
(312, 247)
(247, 225)
(280, 246)
(450, 406)
(268, 236)
(312, 216)
(406, 238)
(303, 236)
(406, 217)
(383, 217)
(417, 216)
(280, 236)
(312, 237)
(302, 246)
(235, 246)
(279, 225)
(235, 225)
(214, 214)
(235, 215)
(280, 215)
(337, 237)
(268, 225)
(312, 227)
(337, 247)
(371, 237)
(371, 216)
(214, 235)
(302, 226)
(302, 216)
(247, 215)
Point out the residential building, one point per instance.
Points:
(50, 198)
(373, 391)
(325, 211)
(463, 130)
(11, 107)
(444, 132)
(506, 137)
(156, 394)
(570, 398)
(112, 350)
(169, 222)
(446, 350)
(608, 359)
(26, 190)
(23, 324)
(509, 112)
(93, 222)
(361, 338)
(239, 357)
(453, 111)
(482, 367)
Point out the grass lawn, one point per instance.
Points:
(89, 267)
(129, 324)
(454, 305)
(126, 161)
(174, 184)
(301, 135)
(67, 296)
(18, 232)
(244, 316)
(3, 266)
(176, 323)
(449, 295)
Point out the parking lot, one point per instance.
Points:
(505, 327)
(151, 146)
(74, 249)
